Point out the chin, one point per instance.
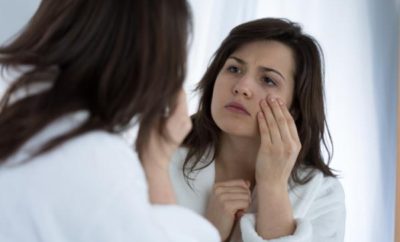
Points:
(235, 128)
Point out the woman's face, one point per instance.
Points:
(253, 72)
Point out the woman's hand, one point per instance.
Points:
(161, 146)
(159, 149)
(279, 148)
(280, 143)
(177, 125)
(228, 202)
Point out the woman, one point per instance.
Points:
(253, 162)
(90, 70)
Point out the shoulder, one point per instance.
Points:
(98, 143)
(94, 147)
(98, 152)
(95, 160)
(82, 177)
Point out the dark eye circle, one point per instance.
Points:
(233, 69)
(269, 81)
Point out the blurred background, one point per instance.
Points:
(360, 40)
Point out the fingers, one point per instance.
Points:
(291, 124)
(232, 186)
(231, 200)
(277, 105)
(239, 214)
(230, 183)
(219, 189)
(271, 123)
(233, 194)
(278, 121)
(263, 127)
(234, 206)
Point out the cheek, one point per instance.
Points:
(288, 99)
(283, 94)
(287, 96)
(219, 92)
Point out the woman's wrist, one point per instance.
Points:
(158, 179)
(272, 183)
(272, 190)
(153, 163)
(274, 202)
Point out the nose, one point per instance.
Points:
(242, 87)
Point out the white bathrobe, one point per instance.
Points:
(90, 189)
(318, 206)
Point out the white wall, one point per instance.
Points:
(14, 14)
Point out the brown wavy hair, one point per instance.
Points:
(308, 102)
(116, 59)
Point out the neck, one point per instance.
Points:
(236, 158)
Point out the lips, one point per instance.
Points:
(237, 107)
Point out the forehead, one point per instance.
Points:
(268, 53)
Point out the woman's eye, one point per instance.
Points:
(233, 69)
(269, 81)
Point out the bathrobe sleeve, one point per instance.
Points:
(324, 219)
(129, 216)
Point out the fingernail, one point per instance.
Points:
(272, 99)
(280, 102)
(239, 214)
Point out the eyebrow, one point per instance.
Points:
(262, 67)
